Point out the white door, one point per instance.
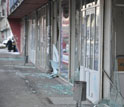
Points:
(89, 69)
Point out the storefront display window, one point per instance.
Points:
(42, 38)
(65, 35)
(77, 39)
(83, 32)
(96, 52)
(33, 33)
(31, 37)
(90, 35)
(88, 42)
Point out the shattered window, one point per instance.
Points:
(65, 35)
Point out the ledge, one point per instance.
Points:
(25, 8)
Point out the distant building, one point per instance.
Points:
(5, 30)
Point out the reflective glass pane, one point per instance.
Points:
(41, 30)
(65, 34)
(33, 32)
(92, 41)
(83, 31)
(42, 37)
(90, 46)
(88, 41)
(96, 51)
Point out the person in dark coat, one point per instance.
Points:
(14, 46)
(9, 45)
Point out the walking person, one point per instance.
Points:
(9, 45)
(14, 46)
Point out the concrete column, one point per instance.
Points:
(36, 39)
(107, 47)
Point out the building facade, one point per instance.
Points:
(83, 34)
(5, 30)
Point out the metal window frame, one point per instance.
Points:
(60, 34)
(85, 38)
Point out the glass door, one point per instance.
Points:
(90, 27)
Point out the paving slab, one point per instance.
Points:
(66, 100)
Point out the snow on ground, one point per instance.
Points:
(6, 51)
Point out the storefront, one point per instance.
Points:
(38, 38)
(77, 29)
(86, 34)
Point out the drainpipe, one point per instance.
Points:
(26, 40)
(103, 50)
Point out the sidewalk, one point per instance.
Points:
(32, 85)
(5, 51)
(52, 92)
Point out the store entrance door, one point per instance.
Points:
(90, 36)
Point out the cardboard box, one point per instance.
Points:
(120, 63)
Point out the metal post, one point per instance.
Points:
(79, 92)
(78, 104)
(26, 40)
